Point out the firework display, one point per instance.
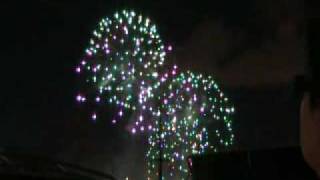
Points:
(181, 113)
(122, 62)
(195, 117)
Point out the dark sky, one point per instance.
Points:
(43, 41)
(254, 48)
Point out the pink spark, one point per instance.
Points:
(79, 98)
(94, 116)
(165, 101)
(120, 113)
(163, 79)
(89, 53)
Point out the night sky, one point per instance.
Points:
(253, 49)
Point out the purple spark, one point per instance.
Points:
(89, 53)
(163, 79)
(79, 98)
(141, 118)
(94, 116)
(165, 101)
(133, 131)
(120, 113)
(78, 70)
